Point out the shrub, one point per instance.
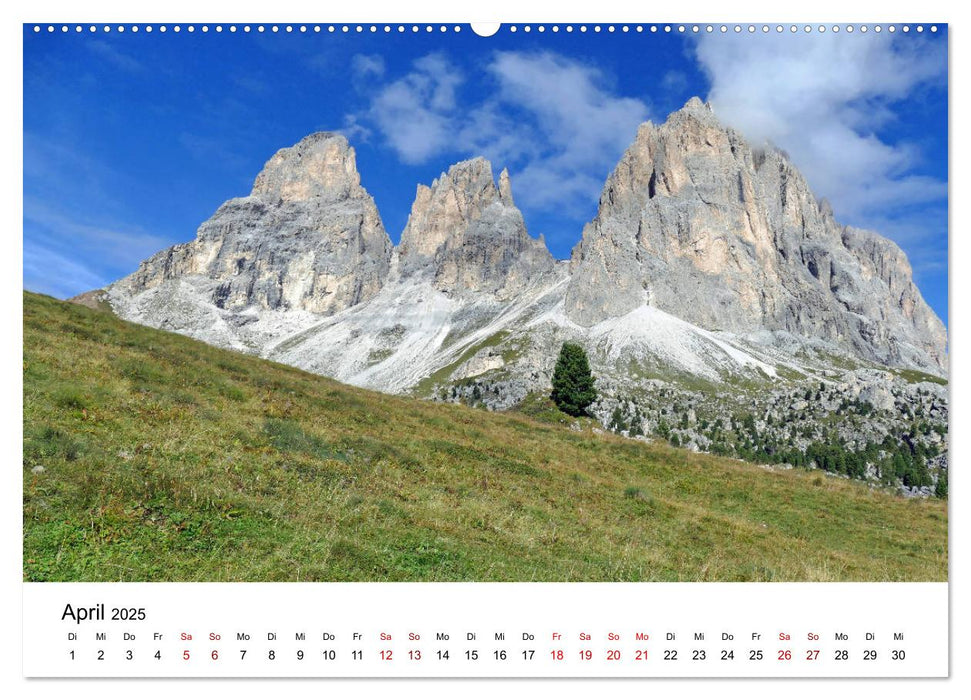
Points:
(617, 422)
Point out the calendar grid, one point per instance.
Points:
(485, 630)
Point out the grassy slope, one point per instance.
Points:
(166, 459)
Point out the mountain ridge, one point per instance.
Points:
(712, 286)
(685, 224)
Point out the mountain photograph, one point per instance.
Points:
(527, 317)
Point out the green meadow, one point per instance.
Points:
(148, 456)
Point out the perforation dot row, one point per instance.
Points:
(725, 28)
(414, 28)
(288, 28)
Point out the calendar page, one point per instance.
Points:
(514, 350)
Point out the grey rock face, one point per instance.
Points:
(468, 235)
(707, 257)
(699, 224)
(307, 237)
(720, 303)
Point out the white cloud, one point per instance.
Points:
(354, 130)
(580, 127)
(823, 98)
(674, 81)
(570, 102)
(415, 113)
(555, 122)
(365, 66)
(117, 58)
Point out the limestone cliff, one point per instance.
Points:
(307, 237)
(696, 222)
(468, 236)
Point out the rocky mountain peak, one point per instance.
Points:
(444, 210)
(697, 223)
(308, 238)
(695, 105)
(321, 166)
(468, 235)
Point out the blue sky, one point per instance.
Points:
(131, 140)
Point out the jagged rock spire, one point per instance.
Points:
(505, 189)
(466, 233)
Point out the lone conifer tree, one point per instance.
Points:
(573, 388)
